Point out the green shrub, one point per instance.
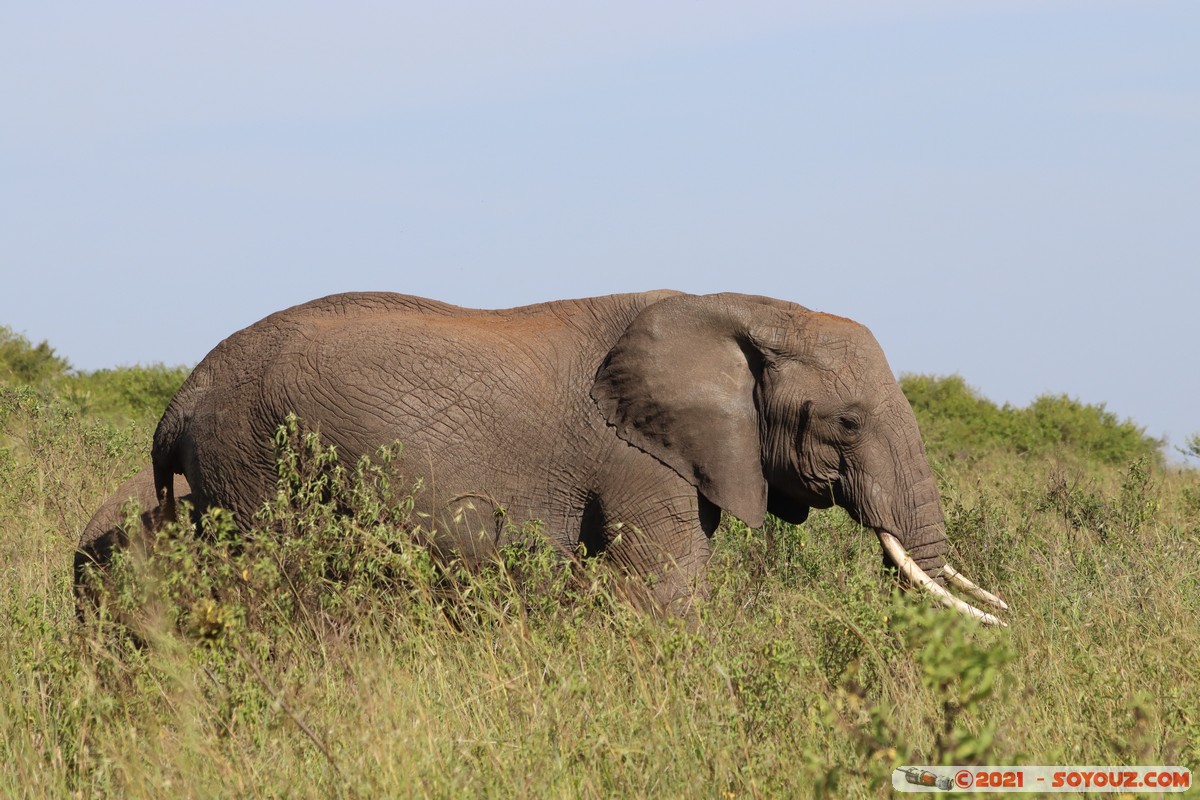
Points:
(1053, 421)
(22, 362)
(953, 417)
(124, 393)
(956, 422)
(120, 395)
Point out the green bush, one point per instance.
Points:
(1054, 421)
(22, 362)
(120, 395)
(124, 392)
(956, 422)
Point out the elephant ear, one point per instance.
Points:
(680, 385)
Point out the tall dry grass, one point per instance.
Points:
(329, 656)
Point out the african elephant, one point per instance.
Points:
(623, 423)
(106, 530)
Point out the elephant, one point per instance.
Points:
(106, 531)
(624, 424)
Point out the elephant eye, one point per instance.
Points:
(849, 423)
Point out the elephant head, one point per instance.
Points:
(765, 406)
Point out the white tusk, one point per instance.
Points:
(956, 577)
(910, 570)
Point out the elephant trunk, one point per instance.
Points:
(916, 544)
(919, 555)
(922, 532)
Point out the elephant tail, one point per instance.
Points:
(166, 456)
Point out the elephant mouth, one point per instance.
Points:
(918, 577)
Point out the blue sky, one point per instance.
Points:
(1005, 190)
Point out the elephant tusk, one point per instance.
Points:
(956, 577)
(910, 570)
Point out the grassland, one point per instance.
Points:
(337, 660)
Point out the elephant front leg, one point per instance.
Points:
(661, 552)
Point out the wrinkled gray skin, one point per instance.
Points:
(623, 423)
(106, 531)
